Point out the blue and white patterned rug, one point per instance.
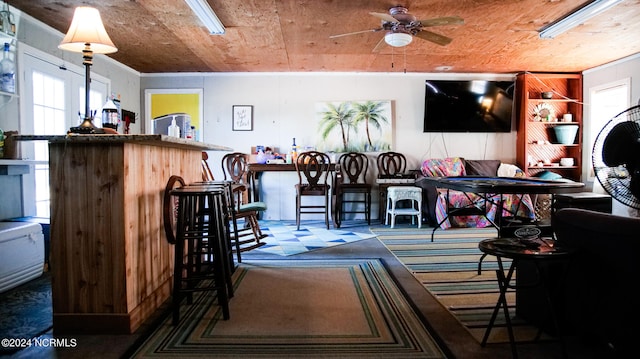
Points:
(285, 239)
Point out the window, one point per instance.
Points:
(52, 95)
(607, 101)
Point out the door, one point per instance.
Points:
(52, 93)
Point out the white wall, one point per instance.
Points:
(284, 107)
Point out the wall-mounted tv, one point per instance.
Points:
(468, 106)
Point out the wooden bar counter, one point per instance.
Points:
(111, 265)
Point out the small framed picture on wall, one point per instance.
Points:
(242, 118)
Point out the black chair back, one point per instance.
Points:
(391, 164)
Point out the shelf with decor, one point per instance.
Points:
(549, 115)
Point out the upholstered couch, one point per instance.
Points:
(599, 300)
(433, 202)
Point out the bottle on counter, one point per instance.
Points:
(8, 82)
(191, 132)
(261, 157)
(110, 115)
(294, 151)
(174, 130)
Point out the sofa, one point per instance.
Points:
(435, 201)
(597, 300)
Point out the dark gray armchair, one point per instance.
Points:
(599, 300)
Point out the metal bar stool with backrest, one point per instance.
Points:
(313, 170)
(351, 187)
(235, 167)
(196, 224)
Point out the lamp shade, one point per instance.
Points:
(398, 39)
(87, 28)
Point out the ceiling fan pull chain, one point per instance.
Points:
(392, 52)
(405, 59)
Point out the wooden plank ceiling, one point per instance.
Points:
(498, 36)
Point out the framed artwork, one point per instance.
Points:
(360, 126)
(242, 118)
(164, 105)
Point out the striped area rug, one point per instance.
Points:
(340, 308)
(448, 268)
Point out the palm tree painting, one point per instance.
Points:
(362, 126)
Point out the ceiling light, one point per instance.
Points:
(576, 18)
(398, 39)
(204, 12)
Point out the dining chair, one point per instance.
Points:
(391, 164)
(351, 187)
(235, 167)
(313, 170)
(392, 168)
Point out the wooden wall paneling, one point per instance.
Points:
(111, 263)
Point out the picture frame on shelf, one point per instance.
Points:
(242, 118)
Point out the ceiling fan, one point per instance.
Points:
(401, 27)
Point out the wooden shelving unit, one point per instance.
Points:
(538, 149)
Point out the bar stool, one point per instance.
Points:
(228, 209)
(396, 194)
(201, 246)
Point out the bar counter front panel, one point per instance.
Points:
(111, 264)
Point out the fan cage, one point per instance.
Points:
(616, 181)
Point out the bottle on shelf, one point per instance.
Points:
(7, 23)
(8, 81)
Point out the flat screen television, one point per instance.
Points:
(468, 106)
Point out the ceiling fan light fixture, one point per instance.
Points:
(398, 39)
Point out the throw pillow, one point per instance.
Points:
(508, 170)
(452, 166)
(487, 168)
(548, 175)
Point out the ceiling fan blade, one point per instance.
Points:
(384, 17)
(448, 20)
(355, 33)
(433, 37)
(379, 45)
